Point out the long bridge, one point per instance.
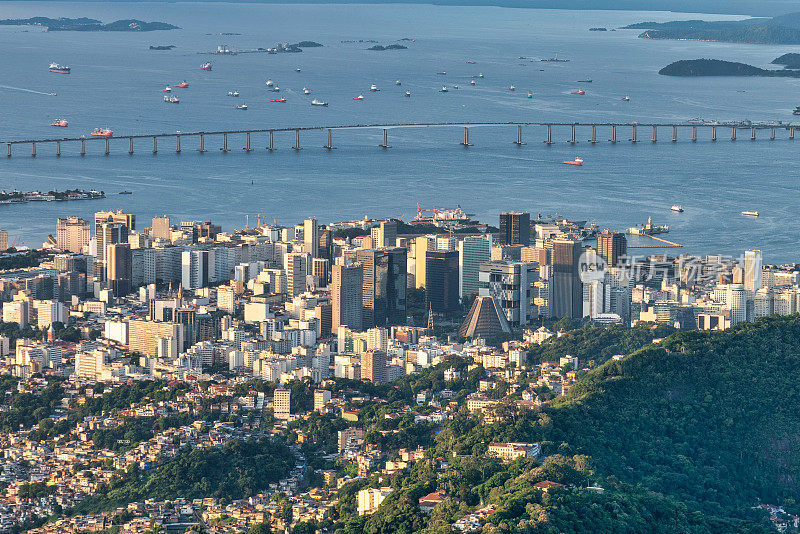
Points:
(545, 128)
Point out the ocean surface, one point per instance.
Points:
(116, 82)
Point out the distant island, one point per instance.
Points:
(162, 47)
(388, 47)
(84, 24)
(784, 29)
(308, 44)
(598, 29)
(717, 67)
(789, 61)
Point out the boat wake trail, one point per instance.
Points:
(26, 90)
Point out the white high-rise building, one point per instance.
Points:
(297, 264)
(196, 268)
(311, 237)
(752, 270)
(736, 302)
(472, 251)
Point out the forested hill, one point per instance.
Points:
(709, 418)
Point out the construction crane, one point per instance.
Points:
(256, 217)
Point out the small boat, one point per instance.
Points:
(455, 86)
(167, 89)
(578, 92)
(275, 89)
(512, 88)
(530, 95)
(677, 208)
(183, 85)
(233, 93)
(408, 93)
(297, 69)
(241, 106)
(306, 91)
(443, 89)
(125, 193)
(750, 213)
(269, 83)
(172, 99)
(796, 110)
(626, 98)
(281, 100)
(205, 66)
(587, 80)
(373, 88)
(578, 162)
(472, 82)
(59, 69)
(359, 97)
(398, 82)
(470, 62)
(442, 73)
(316, 102)
(102, 132)
(479, 75)
(62, 123)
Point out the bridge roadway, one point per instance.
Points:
(572, 126)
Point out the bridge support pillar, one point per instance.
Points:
(655, 134)
(33, 149)
(202, 144)
(83, 147)
(694, 134)
(674, 134)
(613, 133)
(791, 133)
(733, 133)
(593, 139)
(772, 134)
(466, 142)
(634, 137)
(519, 142)
(224, 142)
(572, 139)
(58, 148)
(107, 147)
(247, 142)
(155, 145)
(329, 143)
(752, 134)
(130, 145)
(271, 146)
(296, 140)
(8, 150)
(713, 133)
(385, 142)
(549, 137)
(177, 144)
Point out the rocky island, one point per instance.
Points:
(162, 47)
(717, 67)
(381, 48)
(789, 61)
(784, 29)
(84, 24)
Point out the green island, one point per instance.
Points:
(789, 61)
(84, 24)
(718, 67)
(784, 29)
(388, 47)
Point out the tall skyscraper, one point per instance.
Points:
(472, 251)
(347, 296)
(110, 227)
(298, 265)
(753, 267)
(161, 228)
(119, 268)
(422, 245)
(384, 288)
(197, 267)
(513, 286)
(311, 237)
(567, 290)
(515, 228)
(384, 235)
(612, 247)
(441, 280)
(72, 234)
